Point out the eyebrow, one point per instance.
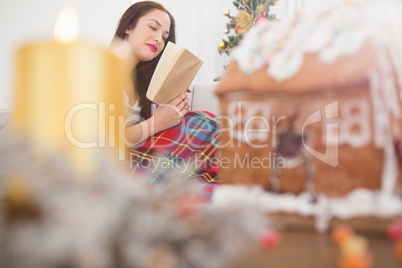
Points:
(157, 22)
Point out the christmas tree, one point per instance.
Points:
(251, 12)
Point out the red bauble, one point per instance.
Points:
(270, 239)
(394, 231)
(237, 29)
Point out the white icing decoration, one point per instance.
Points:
(379, 113)
(389, 86)
(284, 65)
(359, 202)
(331, 34)
(245, 116)
(356, 115)
(390, 171)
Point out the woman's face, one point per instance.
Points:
(147, 38)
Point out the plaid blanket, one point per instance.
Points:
(188, 150)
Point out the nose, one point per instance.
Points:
(158, 37)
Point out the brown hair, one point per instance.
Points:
(143, 72)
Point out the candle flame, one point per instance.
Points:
(66, 29)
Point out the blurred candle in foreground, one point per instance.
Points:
(66, 29)
(68, 95)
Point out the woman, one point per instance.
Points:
(169, 137)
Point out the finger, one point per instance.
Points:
(185, 111)
(182, 113)
(186, 100)
(177, 100)
(181, 105)
(170, 106)
(186, 107)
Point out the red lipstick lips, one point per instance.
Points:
(152, 47)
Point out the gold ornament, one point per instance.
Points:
(221, 45)
(243, 31)
(260, 9)
(245, 2)
(226, 12)
(274, 2)
(244, 20)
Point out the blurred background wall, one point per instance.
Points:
(200, 27)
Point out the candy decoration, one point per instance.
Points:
(360, 261)
(398, 250)
(270, 239)
(394, 230)
(354, 246)
(341, 233)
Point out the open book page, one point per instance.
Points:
(173, 75)
(166, 61)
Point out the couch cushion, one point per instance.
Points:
(204, 98)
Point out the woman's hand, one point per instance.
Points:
(170, 115)
(166, 116)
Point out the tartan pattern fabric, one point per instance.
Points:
(188, 150)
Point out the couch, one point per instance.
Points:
(203, 97)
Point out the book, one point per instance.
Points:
(173, 75)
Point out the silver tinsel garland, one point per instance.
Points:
(52, 218)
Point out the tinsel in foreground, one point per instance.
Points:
(51, 218)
